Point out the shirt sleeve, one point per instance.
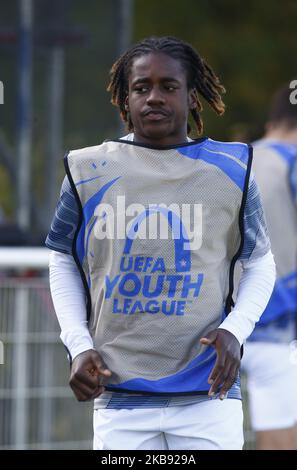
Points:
(65, 221)
(69, 299)
(256, 240)
(293, 179)
(255, 288)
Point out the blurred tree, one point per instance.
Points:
(252, 47)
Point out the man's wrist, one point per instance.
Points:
(77, 342)
(233, 330)
(81, 350)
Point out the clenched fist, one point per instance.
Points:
(86, 370)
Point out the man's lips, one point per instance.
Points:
(155, 114)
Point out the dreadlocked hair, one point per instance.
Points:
(200, 76)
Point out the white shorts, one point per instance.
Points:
(213, 424)
(271, 384)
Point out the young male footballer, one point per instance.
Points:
(144, 241)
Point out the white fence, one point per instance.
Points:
(37, 408)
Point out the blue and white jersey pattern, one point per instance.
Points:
(256, 244)
(276, 165)
(64, 223)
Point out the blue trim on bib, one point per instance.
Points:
(225, 163)
(88, 211)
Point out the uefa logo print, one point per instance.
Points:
(155, 221)
(1, 353)
(1, 92)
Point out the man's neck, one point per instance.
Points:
(164, 142)
(131, 137)
(282, 135)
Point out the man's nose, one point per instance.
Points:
(155, 96)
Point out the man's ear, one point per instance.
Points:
(192, 99)
(127, 103)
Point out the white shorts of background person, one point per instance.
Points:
(272, 385)
(210, 425)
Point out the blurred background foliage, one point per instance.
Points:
(252, 46)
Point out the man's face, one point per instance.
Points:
(159, 100)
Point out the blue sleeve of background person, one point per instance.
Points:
(256, 240)
(293, 179)
(65, 221)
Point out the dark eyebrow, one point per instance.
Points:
(163, 79)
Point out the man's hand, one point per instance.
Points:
(228, 360)
(85, 374)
